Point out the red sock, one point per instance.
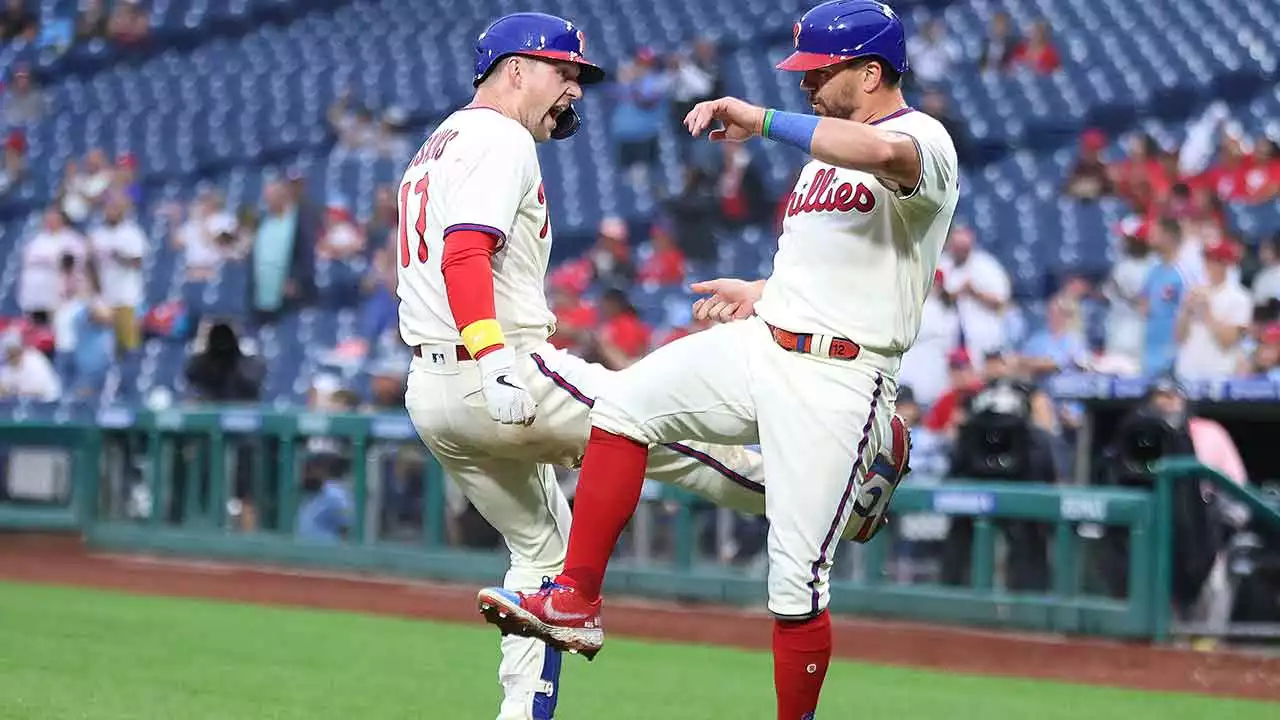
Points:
(801, 653)
(608, 492)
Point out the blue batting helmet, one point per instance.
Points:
(535, 35)
(540, 36)
(840, 30)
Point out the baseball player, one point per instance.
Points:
(494, 402)
(806, 366)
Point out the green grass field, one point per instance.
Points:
(75, 654)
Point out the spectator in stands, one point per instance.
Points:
(84, 187)
(981, 289)
(1131, 177)
(924, 367)
(1126, 326)
(84, 340)
(743, 197)
(340, 238)
(17, 21)
(695, 77)
(378, 304)
(1090, 179)
(665, 263)
(208, 237)
(124, 179)
(932, 53)
(1060, 345)
(624, 337)
(275, 253)
(935, 104)
(384, 219)
(129, 24)
(387, 385)
(220, 372)
(1265, 360)
(1262, 181)
(26, 373)
(610, 257)
(1161, 301)
(1037, 51)
(13, 167)
(92, 23)
(945, 415)
(390, 141)
(998, 47)
(1266, 283)
(39, 284)
(641, 95)
(325, 510)
(1213, 320)
(576, 319)
(1229, 176)
(1204, 219)
(119, 248)
(24, 101)
(353, 124)
(695, 212)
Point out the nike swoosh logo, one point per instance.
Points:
(502, 380)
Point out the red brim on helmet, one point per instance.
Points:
(805, 61)
(589, 73)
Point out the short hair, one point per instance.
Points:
(888, 73)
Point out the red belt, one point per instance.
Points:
(461, 352)
(839, 348)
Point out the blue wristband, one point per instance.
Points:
(794, 129)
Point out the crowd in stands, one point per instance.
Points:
(1185, 295)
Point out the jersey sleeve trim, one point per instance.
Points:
(499, 237)
(920, 179)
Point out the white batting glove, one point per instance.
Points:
(507, 398)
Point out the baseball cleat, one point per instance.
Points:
(555, 614)
(871, 505)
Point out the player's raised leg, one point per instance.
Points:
(708, 371)
(566, 387)
(822, 422)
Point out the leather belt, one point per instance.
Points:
(461, 350)
(811, 344)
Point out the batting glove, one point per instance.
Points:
(507, 398)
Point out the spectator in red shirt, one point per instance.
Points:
(1262, 181)
(1131, 176)
(1229, 177)
(611, 255)
(1037, 51)
(946, 413)
(1090, 179)
(665, 264)
(624, 337)
(575, 318)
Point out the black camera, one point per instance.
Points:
(995, 440)
(1142, 441)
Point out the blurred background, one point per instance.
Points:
(196, 209)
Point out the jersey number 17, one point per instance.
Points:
(419, 189)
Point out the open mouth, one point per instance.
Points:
(556, 110)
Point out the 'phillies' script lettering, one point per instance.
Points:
(821, 197)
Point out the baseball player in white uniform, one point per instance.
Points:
(490, 397)
(806, 365)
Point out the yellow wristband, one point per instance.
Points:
(482, 334)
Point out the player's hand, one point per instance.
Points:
(730, 299)
(507, 398)
(741, 119)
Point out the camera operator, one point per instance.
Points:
(1159, 427)
(998, 440)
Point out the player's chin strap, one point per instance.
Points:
(567, 124)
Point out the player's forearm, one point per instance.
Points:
(468, 282)
(848, 144)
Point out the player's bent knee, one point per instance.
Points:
(801, 618)
(612, 419)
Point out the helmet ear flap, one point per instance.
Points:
(567, 124)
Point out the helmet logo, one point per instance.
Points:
(795, 35)
(582, 43)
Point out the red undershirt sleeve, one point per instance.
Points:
(468, 278)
